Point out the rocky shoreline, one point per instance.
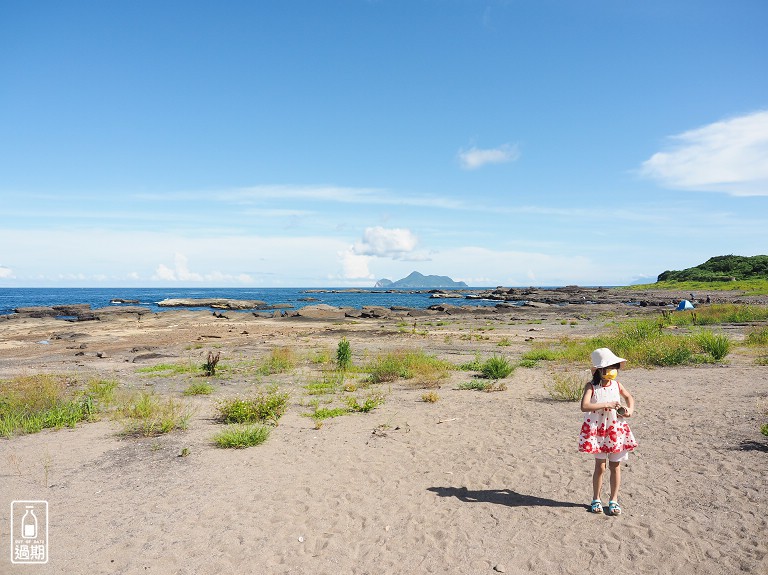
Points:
(520, 298)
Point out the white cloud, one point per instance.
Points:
(181, 273)
(730, 156)
(354, 266)
(6, 272)
(381, 242)
(147, 259)
(474, 157)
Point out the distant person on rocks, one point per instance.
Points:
(604, 432)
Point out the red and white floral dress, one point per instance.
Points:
(603, 431)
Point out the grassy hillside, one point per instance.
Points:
(722, 269)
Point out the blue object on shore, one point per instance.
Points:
(685, 304)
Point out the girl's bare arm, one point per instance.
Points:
(629, 399)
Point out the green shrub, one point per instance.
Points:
(496, 367)
(267, 406)
(343, 354)
(241, 436)
(716, 345)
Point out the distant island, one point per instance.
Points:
(721, 269)
(417, 280)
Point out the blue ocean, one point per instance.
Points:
(12, 298)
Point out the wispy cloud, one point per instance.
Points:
(6, 272)
(730, 156)
(334, 194)
(474, 157)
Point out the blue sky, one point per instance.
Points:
(336, 142)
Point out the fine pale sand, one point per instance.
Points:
(474, 483)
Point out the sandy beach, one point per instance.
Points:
(473, 483)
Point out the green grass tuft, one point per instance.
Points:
(266, 407)
(169, 369)
(280, 360)
(344, 354)
(328, 412)
(241, 436)
(199, 388)
(417, 366)
(565, 386)
(716, 345)
(146, 415)
(496, 367)
(29, 404)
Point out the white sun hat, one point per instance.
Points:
(604, 357)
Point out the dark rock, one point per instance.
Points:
(375, 311)
(148, 356)
(321, 311)
(35, 312)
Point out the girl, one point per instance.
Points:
(604, 432)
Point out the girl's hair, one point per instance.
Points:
(596, 377)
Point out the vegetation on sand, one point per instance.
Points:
(420, 368)
(31, 403)
(199, 388)
(565, 386)
(241, 436)
(145, 414)
(343, 354)
(265, 407)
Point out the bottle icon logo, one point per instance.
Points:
(29, 523)
(29, 532)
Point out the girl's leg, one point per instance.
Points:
(615, 479)
(597, 478)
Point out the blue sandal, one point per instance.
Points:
(613, 507)
(596, 506)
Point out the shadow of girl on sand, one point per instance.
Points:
(501, 497)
